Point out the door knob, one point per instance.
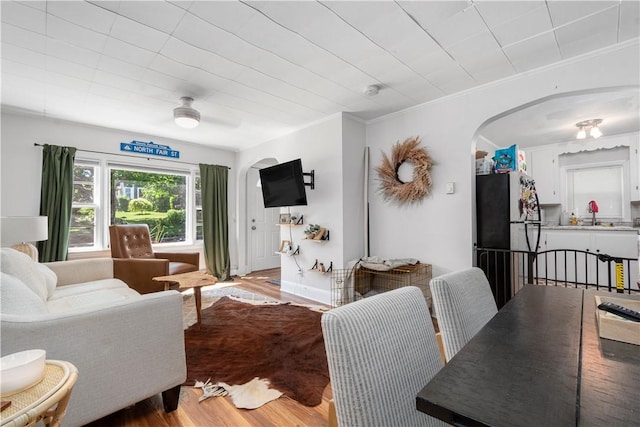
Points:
(253, 228)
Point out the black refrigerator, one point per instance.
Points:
(508, 230)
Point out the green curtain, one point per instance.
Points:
(56, 195)
(215, 222)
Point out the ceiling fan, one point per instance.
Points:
(186, 116)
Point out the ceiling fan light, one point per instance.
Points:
(592, 125)
(186, 122)
(185, 116)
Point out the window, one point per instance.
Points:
(158, 199)
(597, 175)
(168, 201)
(84, 207)
(604, 184)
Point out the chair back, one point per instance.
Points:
(463, 303)
(381, 351)
(130, 241)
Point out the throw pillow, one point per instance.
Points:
(17, 298)
(25, 269)
(50, 278)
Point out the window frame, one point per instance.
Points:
(567, 198)
(96, 205)
(102, 199)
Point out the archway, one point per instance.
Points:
(552, 119)
(550, 122)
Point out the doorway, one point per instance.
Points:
(263, 232)
(547, 127)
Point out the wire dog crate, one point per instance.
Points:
(348, 285)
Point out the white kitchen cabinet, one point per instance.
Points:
(618, 244)
(579, 267)
(543, 168)
(563, 265)
(568, 239)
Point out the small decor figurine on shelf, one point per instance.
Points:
(321, 234)
(285, 218)
(311, 231)
(285, 246)
(320, 268)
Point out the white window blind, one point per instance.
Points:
(604, 184)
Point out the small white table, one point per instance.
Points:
(47, 400)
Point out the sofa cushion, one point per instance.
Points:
(87, 287)
(90, 299)
(24, 268)
(181, 267)
(81, 270)
(18, 298)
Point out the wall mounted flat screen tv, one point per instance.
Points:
(283, 185)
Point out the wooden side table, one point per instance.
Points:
(193, 280)
(46, 401)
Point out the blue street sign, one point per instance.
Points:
(149, 148)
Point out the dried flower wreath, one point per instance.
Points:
(405, 192)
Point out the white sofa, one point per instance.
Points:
(126, 346)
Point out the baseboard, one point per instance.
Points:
(305, 291)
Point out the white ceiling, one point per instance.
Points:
(259, 69)
(554, 120)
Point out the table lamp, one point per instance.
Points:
(20, 231)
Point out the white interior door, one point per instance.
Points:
(264, 233)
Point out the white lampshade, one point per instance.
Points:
(595, 132)
(592, 126)
(186, 116)
(186, 122)
(20, 231)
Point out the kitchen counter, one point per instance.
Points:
(591, 228)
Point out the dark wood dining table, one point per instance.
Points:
(539, 362)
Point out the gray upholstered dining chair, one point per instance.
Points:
(381, 351)
(463, 303)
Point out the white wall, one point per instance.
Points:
(22, 161)
(320, 146)
(440, 230)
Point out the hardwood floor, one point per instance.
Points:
(220, 411)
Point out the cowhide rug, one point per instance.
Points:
(213, 293)
(266, 347)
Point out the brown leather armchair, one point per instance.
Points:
(135, 263)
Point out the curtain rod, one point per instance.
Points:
(132, 156)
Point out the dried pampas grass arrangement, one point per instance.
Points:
(391, 187)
